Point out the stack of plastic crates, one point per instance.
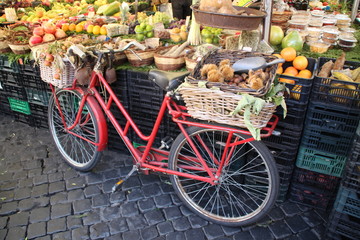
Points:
(145, 98)
(120, 88)
(344, 221)
(331, 121)
(284, 147)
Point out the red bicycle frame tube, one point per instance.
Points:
(179, 116)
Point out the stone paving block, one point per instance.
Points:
(163, 201)
(17, 233)
(114, 237)
(117, 197)
(60, 210)
(82, 206)
(276, 214)
(109, 213)
(3, 233)
(129, 209)
(80, 233)
(37, 180)
(22, 193)
(99, 230)
(166, 187)
(107, 186)
(307, 235)
(149, 233)
(172, 213)
(44, 238)
(40, 190)
(26, 182)
(75, 183)
(73, 222)
(312, 218)
(75, 195)
(151, 190)
(43, 201)
(8, 208)
(7, 196)
(181, 224)
(320, 231)
(131, 235)
(196, 221)
(185, 211)
(154, 217)
(55, 177)
(230, 231)
(197, 234)
(149, 179)
(34, 172)
(135, 194)
(290, 209)
(26, 204)
(111, 174)
(243, 236)
(280, 230)
(56, 225)
(261, 233)
(8, 185)
(60, 197)
(118, 225)
(93, 178)
(61, 235)
(100, 201)
(213, 231)
(70, 174)
(125, 170)
(176, 236)
(56, 187)
(146, 205)
(131, 183)
(40, 215)
(91, 191)
(3, 222)
(91, 218)
(18, 219)
(36, 230)
(296, 224)
(136, 222)
(165, 228)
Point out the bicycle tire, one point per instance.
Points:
(240, 198)
(78, 153)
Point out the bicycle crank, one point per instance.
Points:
(117, 185)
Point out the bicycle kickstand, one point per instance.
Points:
(117, 185)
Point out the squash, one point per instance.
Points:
(112, 8)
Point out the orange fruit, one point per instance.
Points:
(300, 62)
(291, 70)
(279, 70)
(278, 56)
(72, 27)
(304, 74)
(96, 30)
(79, 28)
(288, 53)
(103, 30)
(286, 80)
(65, 27)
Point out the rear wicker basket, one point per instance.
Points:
(147, 57)
(66, 75)
(216, 57)
(216, 105)
(166, 63)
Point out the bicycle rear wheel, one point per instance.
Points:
(248, 185)
(78, 153)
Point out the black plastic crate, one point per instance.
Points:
(30, 68)
(343, 227)
(334, 92)
(14, 91)
(4, 105)
(301, 89)
(288, 137)
(326, 141)
(351, 176)
(39, 114)
(295, 115)
(114, 140)
(310, 196)
(325, 117)
(285, 156)
(314, 179)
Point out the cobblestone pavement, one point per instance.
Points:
(43, 198)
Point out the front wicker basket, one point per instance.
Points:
(216, 105)
(216, 57)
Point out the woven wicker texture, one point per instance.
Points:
(147, 57)
(66, 76)
(215, 105)
(168, 63)
(216, 57)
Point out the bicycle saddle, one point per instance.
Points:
(167, 80)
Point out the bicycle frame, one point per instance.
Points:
(147, 157)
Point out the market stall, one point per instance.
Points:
(319, 48)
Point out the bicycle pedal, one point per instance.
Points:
(121, 181)
(166, 142)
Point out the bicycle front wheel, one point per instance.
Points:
(248, 184)
(78, 151)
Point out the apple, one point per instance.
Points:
(35, 39)
(49, 27)
(39, 31)
(60, 33)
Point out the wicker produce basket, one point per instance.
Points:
(4, 47)
(216, 105)
(166, 63)
(216, 57)
(147, 57)
(119, 58)
(189, 62)
(66, 75)
(20, 48)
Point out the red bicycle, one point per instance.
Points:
(220, 172)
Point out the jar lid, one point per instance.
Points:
(318, 13)
(348, 30)
(331, 31)
(347, 46)
(348, 39)
(342, 17)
